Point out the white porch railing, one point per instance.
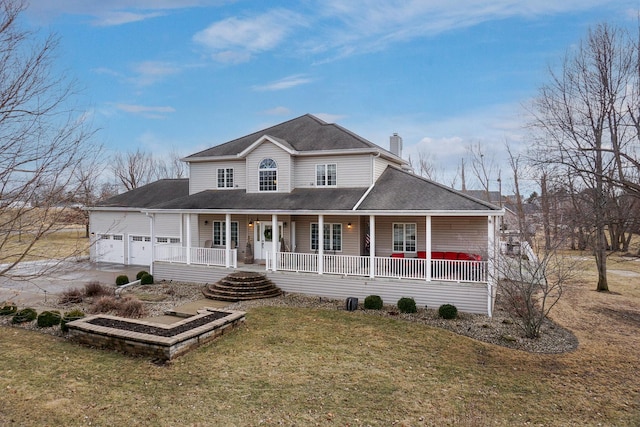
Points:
(200, 256)
(400, 268)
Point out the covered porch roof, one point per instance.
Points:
(395, 192)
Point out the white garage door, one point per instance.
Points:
(110, 248)
(139, 250)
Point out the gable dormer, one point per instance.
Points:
(269, 166)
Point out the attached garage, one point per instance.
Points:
(139, 250)
(109, 248)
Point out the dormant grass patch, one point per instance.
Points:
(296, 366)
(305, 366)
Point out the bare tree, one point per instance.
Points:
(425, 165)
(171, 167)
(87, 179)
(530, 288)
(515, 163)
(134, 169)
(582, 115)
(43, 139)
(484, 168)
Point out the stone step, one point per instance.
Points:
(242, 286)
(256, 287)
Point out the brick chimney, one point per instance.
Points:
(395, 143)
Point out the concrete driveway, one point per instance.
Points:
(37, 291)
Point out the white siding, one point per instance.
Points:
(350, 237)
(460, 234)
(469, 298)
(282, 158)
(167, 225)
(121, 223)
(379, 166)
(203, 176)
(352, 170)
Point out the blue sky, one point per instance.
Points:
(184, 75)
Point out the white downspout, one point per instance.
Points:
(152, 228)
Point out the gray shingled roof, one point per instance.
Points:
(397, 190)
(305, 133)
(316, 199)
(149, 195)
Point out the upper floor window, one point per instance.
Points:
(225, 178)
(268, 179)
(326, 175)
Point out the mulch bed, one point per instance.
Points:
(154, 330)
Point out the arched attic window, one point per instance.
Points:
(268, 170)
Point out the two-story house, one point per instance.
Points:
(320, 209)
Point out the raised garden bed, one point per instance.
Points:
(142, 338)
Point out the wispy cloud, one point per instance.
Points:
(146, 111)
(370, 25)
(112, 12)
(285, 83)
(119, 18)
(236, 40)
(150, 72)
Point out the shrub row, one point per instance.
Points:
(144, 277)
(46, 319)
(408, 305)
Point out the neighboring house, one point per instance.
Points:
(320, 209)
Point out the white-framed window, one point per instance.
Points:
(141, 238)
(404, 237)
(104, 236)
(331, 237)
(219, 233)
(117, 237)
(327, 175)
(225, 177)
(268, 175)
(167, 240)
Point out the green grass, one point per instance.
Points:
(308, 367)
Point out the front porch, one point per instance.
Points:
(446, 270)
(434, 259)
(468, 297)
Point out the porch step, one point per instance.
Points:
(242, 286)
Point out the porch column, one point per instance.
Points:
(320, 244)
(188, 238)
(275, 240)
(491, 254)
(428, 249)
(372, 246)
(152, 228)
(227, 248)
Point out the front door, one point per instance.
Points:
(263, 236)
